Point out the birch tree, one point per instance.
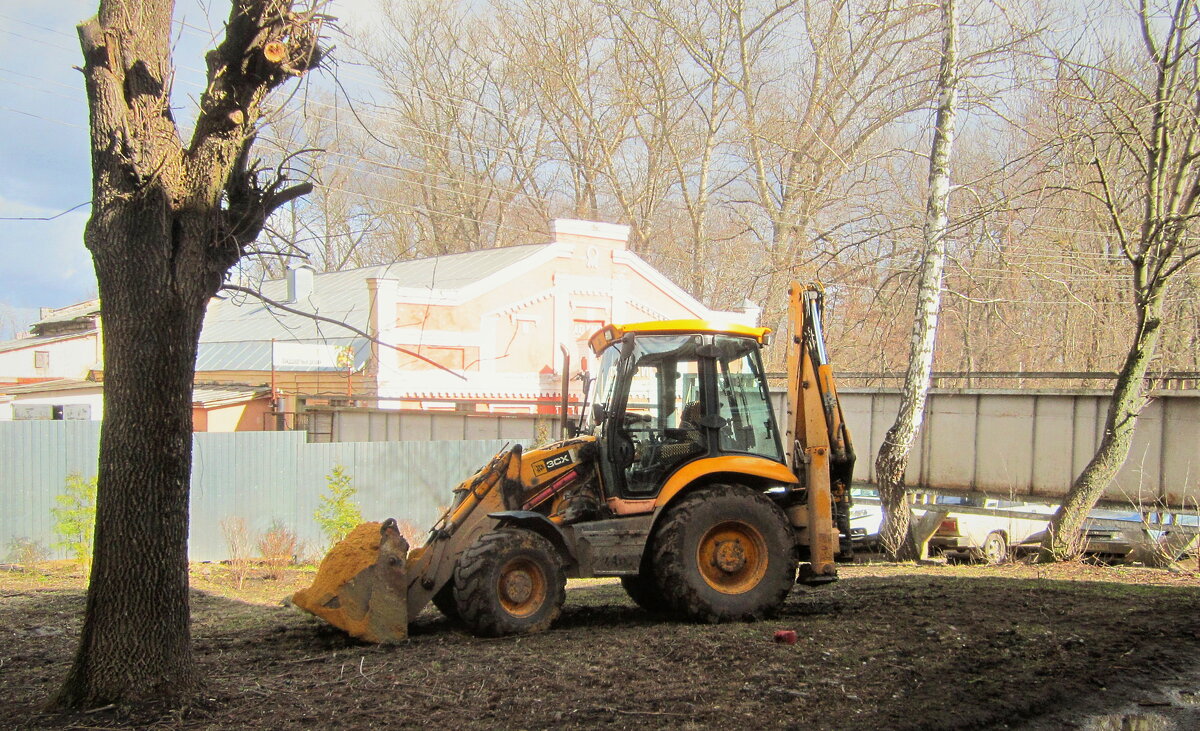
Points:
(892, 461)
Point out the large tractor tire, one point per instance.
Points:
(509, 582)
(725, 553)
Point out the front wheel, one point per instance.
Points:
(724, 553)
(509, 582)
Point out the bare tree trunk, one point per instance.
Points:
(1158, 242)
(1064, 534)
(893, 454)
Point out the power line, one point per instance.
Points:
(44, 119)
(60, 214)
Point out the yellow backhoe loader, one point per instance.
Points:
(678, 480)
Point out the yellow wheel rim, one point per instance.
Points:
(732, 557)
(521, 587)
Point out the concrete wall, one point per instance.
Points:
(1004, 443)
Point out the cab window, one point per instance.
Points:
(743, 402)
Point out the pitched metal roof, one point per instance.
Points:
(214, 395)
(57, 384)
(258, 355)
(36, 341)
(238, 329)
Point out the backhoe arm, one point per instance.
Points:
(820, 451)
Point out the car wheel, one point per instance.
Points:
(994, 549)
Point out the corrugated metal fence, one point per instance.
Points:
(341, 424)
(258, 476)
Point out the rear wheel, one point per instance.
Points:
(510, 581)
(643, 590)
(725, 553)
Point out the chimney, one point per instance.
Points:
(611, 236)
(750, 312)
(299, 282)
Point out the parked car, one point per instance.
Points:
(980, 528)
(1113, 535)
(985, 536)
(865, 519)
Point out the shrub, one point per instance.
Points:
(239, 545)
(338, 512)
(26, 553)
(278, 548)
(75, 518)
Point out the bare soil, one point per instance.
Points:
(887, 647)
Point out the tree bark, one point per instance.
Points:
(136, 642)
(890, 465)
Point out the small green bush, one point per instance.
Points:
(75, 518)
(338, 513)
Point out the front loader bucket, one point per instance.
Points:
(360, 584)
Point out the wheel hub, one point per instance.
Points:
(732, 557)
(729, 556)
(517, 587)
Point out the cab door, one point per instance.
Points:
(654, 425)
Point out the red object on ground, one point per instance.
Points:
(785, 636)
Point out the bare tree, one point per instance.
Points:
(893, 453)
(1130, 141)
(334, 227)
(849, 71)
(169, 218)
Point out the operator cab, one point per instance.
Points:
(669, 393)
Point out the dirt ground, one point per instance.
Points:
(887, 647)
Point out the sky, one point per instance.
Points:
(44, 168)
